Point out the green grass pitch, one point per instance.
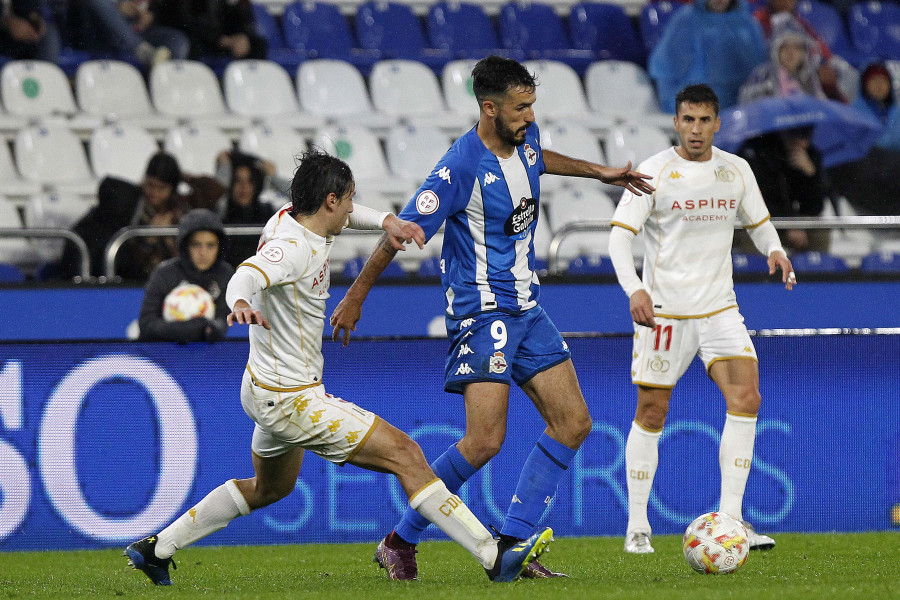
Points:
(807, 566)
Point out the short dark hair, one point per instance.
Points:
(494, 76)
(165, 168)
(699, 93)
(318, 175)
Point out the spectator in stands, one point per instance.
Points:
(225, 28)
(128, 27)
(25, 34)
(245, 175)
(870, 184)
(201, 246)
(120, 204)
(832, 70)
(717, 42)
(788, 167)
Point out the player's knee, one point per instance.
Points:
(483, 448)
(578, 428)
(745, 401)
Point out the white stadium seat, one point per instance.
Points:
(54, 157)
(561, 96)
(189, 91)
(196, 147)
(622, 90)
(456, 79)
(121, 151)
(280, 145)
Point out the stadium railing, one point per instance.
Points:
(50, 232)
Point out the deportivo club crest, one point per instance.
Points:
(497, 362)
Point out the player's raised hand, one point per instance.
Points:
(642, 309)
(778, 260)
(632, 181)
(344, 318)
(243, 314)
(402, 232)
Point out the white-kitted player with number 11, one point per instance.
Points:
(685, 306)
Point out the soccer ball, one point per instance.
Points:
(188, 301)
(716, 543)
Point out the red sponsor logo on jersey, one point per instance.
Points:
(705, 203)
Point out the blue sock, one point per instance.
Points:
(454, 470)
(537, 485)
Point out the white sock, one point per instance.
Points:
(209, 515)
(641, 460)
(735, 456)
(453, 517)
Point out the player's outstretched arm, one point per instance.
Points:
(243, 314)
(349, 310)
(778, 260)
(634, 182)
(403, 232)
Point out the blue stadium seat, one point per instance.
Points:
(352, 268)
(267, 27)
(749, 263)
(11, 274)
(653, 19)
(605, 30)
(463, 29)
(881, 262)
(537, 30)
(829, 25)
(593, 264)
(319, 30)
(875, 29)
(818, 262)
(395, 31)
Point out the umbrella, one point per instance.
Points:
(841, 133)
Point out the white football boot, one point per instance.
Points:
(638, 542)
(758, 541)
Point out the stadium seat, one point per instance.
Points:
(536, 30)
(262, 91)
(590, 265)
(653, 19)
(12, 185)
(463, 29)
(196, 146)
(336, 90)
(54, 211)
(749, 263)
(410, 91)
(881, 262)
(818, 262)
(280, 145)
(121, 151)
(53, 156)
(561, 96)
(571, 139)
(319, 30)
(575, 203)
(633, 142)
(829, 25)
(115, 91)
(394, 29)
(605, 30)
(189, 91)
(353, 267)
(277, 51)
(604, 82)
(38, 89)
(456, 81)
(875, 29)
(11, 274)
(13, 250)
(361, 150)
(412, 152)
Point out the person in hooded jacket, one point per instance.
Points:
(245, 175)
(201, 245)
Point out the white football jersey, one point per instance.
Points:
(294, 261)
(688, 225)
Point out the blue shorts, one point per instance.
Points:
(502, 347)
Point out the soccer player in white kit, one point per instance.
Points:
(685, 306)
(281, 291)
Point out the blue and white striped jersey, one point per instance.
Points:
(490, 207)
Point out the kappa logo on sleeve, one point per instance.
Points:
(272, 254)
(427, 202)
(444, 173)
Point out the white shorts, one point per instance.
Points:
(661, 355)
(310, 418)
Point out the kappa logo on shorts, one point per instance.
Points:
(463, 350)
(565, 346)
(464, 369)
(316, 416)
(466, 323)
(658, 365)
(498, 362)
(334, 425)
(352, 437)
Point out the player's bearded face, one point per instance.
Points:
(513, 137)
